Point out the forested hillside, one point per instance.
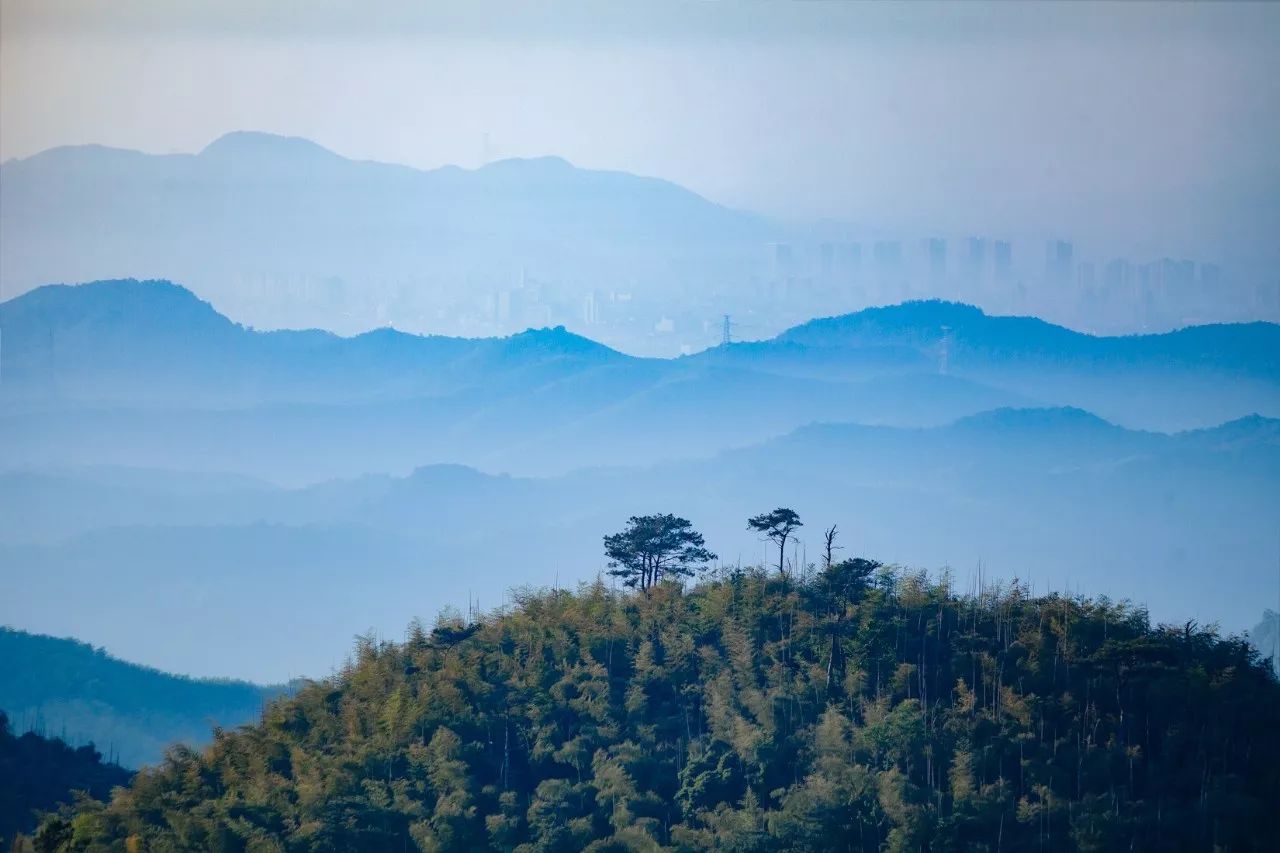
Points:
(84, 695)
(855, 708)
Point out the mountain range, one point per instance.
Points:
(1056, 497)
(157, 378)
(254, 206)
(148, 442)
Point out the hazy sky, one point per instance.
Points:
(1146, 128)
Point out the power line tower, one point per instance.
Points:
(727, 325)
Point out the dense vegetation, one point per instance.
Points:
(82, 693)
(37, 774)
(852, 708)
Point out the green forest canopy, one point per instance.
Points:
(858, 708)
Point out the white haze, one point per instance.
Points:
(1146, 129)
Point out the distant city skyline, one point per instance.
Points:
(645, 298)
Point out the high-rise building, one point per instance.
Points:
(888, 255)
(1167, 278)
(827, 259)
(852, 258)
(1185, 276)
(1002, 260)
(783, 259)
(1085, 275)
(1117, 277)
(936, 253)
(1059, 262)
(976, 260)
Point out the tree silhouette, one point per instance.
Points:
(39, 773)
(652, 546)
(829, 536)
(777, 526)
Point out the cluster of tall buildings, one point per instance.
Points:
(1116, 294)
(978, 257)
(764, 292)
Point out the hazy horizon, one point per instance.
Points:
(1130, 129)
(284, 273)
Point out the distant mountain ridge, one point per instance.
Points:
(1249, 348)
(146, 374)
(237, 154)
(139, 311)
(1050, 495)
(255, 204)
(68, 688)
(155, 339)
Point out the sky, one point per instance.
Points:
(1142, 129)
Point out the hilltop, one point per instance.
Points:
(155, 342)
(855, 709)
(975, 338)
